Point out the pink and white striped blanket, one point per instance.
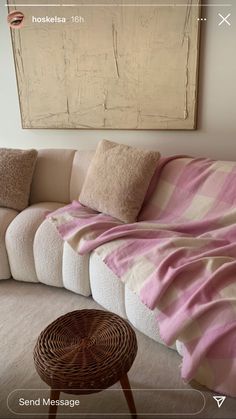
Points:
(180, 257)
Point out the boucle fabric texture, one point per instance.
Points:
(16, 171)
(117, 180)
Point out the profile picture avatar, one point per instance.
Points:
(15, 19)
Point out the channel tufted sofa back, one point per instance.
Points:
(59, 175)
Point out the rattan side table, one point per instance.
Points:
(84, 352)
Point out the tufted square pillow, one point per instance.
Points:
(16, 172)
(117, 180)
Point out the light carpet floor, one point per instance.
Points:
(27, 308)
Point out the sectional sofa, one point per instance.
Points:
(31, 249)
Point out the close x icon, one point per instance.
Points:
(224, 19)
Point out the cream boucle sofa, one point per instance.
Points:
(31, 249)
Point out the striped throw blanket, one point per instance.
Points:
(180, 257)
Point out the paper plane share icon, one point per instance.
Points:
(219, 400)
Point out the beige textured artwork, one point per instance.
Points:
(130, 66)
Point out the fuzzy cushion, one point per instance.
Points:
(16, 171)
(117, 180)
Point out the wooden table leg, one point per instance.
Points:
(54, 395)
(124, 381)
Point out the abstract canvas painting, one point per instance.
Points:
(109, 65)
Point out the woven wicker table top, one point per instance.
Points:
(85, 351)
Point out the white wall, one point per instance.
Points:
(216, 134)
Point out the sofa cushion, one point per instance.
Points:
(20, 238)
(117, 180)
(75, 271)
(6, 217)
(16, 171)
(107, 289)
(141, 317)
(48, 253)
(57, 264)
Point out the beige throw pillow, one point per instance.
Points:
(16, 171)
(117, 180)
